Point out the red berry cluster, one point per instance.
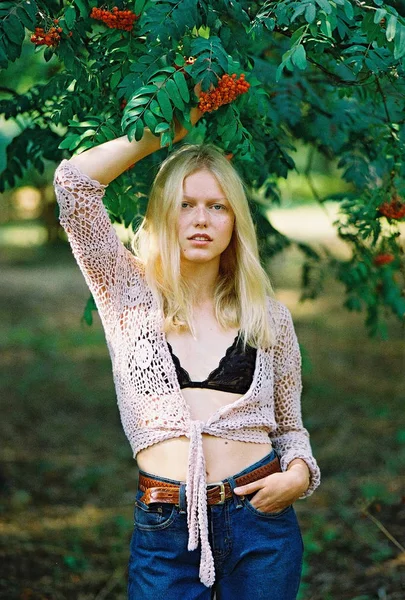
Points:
(117, 19)
(51, 37)
(383, 259)
(47, 38)
(228, 88)
(395, 209)
(123, 104)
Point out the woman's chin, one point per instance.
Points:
(198, 257)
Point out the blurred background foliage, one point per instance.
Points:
(323, 152)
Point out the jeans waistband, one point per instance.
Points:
(263, 461)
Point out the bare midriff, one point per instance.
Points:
(222, 457)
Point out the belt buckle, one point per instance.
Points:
(221, 491)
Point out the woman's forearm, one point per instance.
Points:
(107, 161)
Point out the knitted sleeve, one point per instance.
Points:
(290, 439)
(106, 264)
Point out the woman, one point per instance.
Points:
(206, 366)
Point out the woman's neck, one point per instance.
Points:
(202, 278)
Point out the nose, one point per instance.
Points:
(200, 215)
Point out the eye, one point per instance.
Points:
(184, 204)
(219, 207)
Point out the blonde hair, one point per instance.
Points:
(242, 286)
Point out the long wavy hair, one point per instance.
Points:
(242, 285)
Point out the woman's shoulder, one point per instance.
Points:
(276, 308)
(279, 313)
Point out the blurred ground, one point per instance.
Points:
(67, 477)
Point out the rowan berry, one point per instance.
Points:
(395, 209)
(383, 259)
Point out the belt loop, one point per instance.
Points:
(182, 498)
(236, 498)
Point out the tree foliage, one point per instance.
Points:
(325, 73)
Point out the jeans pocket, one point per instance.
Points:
(153, 516)
(260, 513)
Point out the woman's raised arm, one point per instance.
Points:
(108, 160)
(80, 183)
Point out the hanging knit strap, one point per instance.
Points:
(197, 514)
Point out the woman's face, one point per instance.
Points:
(205, 212)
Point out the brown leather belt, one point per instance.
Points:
(163, 491)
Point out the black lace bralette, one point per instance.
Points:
(233, 374)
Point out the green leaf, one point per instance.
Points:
(48, 54)
(70, 16)
(81, 5)
(136, 130)
(269, 24)
(115, 79)
(135, 102)
(31, 9)
(139, 4)
(150, 120)
(93, 122)
(86, 134)
(109, 134)
(298, 11)
(180, 61)
(165, 105)
(379, 14)
(67, 142)
(182, 85)
(399, 48)
(155, 108)
(139, 130)
(349, 12)
(174, 94)
(14, 29)
(391, 27)
(297, 35)
(145, 89)
(130, 116)
(162, 127)
(166, 139)
(299, 57)
(280, 69)
(325, 5)
(310, 13)
(25, 18)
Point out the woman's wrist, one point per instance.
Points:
(301, 472)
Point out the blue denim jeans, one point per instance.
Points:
(257, 555)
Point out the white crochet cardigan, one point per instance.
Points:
(150, 401)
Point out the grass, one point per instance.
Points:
(67, 476)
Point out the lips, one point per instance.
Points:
(201, 236)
